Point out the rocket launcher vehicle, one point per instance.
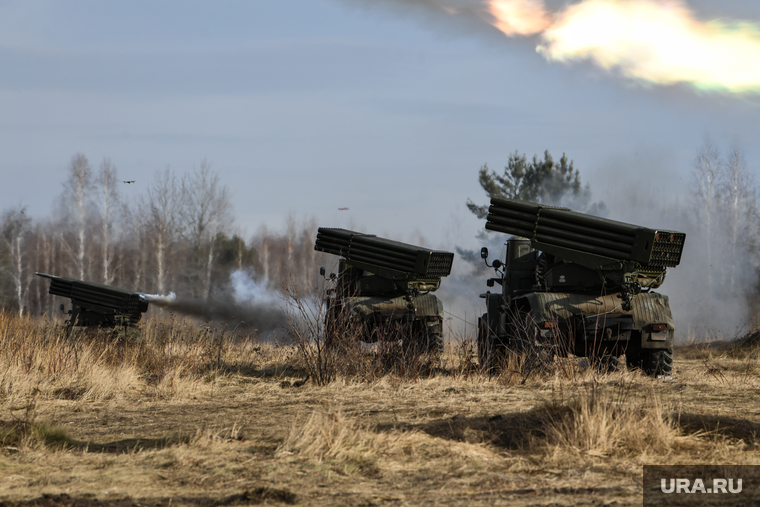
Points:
(625, 255)
(95, 304)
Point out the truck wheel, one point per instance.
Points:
(632, 359)
(608, 364)
(537, 352)
(633, 352)
(481, 343)
(490, 350)
(657, 362)
(419, 338)
(434, 339)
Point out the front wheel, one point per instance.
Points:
(482, 337)
(434, 339)
(491, 351)
(657, 362)
(608, 364)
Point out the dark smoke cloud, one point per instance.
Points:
(447, 17)
(242, 303)
(263, 317)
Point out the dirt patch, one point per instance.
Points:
(250, 423)
(256, 496)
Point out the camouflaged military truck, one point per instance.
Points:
(576, 284)
(383, 289)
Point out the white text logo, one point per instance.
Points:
(698, 486)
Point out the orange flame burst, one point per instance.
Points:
(520, 17)
(659, 42)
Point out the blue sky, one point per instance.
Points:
(305, 106)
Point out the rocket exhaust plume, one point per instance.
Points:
(264, 317)
(244, 303)
(159, 300)
(653, 42)
(658, 42)
(520, 17)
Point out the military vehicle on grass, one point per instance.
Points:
(98, 305)
(576, 284)
(383, 289)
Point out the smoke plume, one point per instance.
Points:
(244, 304)
(161, 300)
(657, 42)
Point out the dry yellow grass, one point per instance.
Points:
(188, 414)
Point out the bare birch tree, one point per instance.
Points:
(76, 201)
(45, 262)
(738, 200)
(107, 182)
(208, 211)
(161, 213)
(706, 176)
(15, 231)
(261, 242)
(136, 250)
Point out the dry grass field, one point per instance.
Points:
(184, 415)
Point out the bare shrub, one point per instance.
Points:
(332, 341)
(461, 359)
(306, 326)
(530, 355)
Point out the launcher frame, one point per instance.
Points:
(96, 304)
(407, 267)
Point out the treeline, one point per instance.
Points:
(724, 224)
(178, 235)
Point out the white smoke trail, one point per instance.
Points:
(244, 303)
(161, 300)
(246, 290)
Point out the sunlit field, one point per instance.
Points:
(184, 414)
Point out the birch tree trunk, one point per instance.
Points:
(76, 200)
(15, 230)
(208, 212)
(706, 175)
(162, 210)
(109, 198)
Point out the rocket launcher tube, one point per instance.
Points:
(586, 239)
(99, 298)
(384, 257)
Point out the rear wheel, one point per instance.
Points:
(608, 364)
(491, 351)
(657, 362)
(417, 337)
(632, 360)
(536, 351)
(434, 339)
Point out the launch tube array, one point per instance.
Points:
(384, 253)
(100, 295)
(556, 230)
